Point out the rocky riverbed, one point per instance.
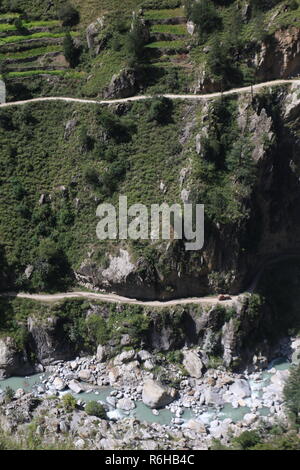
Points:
(194, 405)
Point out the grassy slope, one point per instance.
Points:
(37, 156)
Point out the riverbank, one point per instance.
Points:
(190, 412)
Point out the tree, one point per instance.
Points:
(68, 15)
(160, 110)
(135, 42)
(71, 52)
(221, 64)
(292, 395)
(206, 18)
(51, 268)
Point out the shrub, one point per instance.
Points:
(69, 402)
(135, 43)
(51, 267)
(160, 110)
(292, 395)
(91, 177)
(247, 440)
(206, 18)
(68, 15)
(95, 409)
(8, 394)
(175, 357)
(97, 329)
(71, 52)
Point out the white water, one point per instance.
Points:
(143, 413)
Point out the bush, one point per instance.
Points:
(51, 268)
(91, 177)
(206, 18)
(175, 357)
(135, 43)
(97, 329)
(68, 15)
(247, 440)
(8, 394)
(292, 395)
(160, 110)
(69, 402)
(71, 52)
(95, 409)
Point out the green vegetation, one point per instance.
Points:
(95, 409)
(69, 402)
(165, 45)
(169, 29)
(224, 44)
(292, 396)
(31, 52)
(277, 439)
(30, 73)
(225, 153)
(68, 15)
(29, 25)
(71, 52)
(16, 39)
(163, 14)
(8, 394)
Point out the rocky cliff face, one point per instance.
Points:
(234, 251)
(279, 56)
(238, 334)
(12, 360)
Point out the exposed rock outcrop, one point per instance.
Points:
(95, 40)
(48, 340)
(279, 56)
(13, 360)
(123, 85)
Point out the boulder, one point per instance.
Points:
(126, 404)
(249, 418)
(19, 393)
(75, 386)
(85, 375)
(69, 128)
(211, 397)
(196, 426)
(122, 85)
(240, 388)
(193, 364)
(149, 365)
(2, 92)
(95, 40)
(59, 384)
(144, 355)
(156, 395)
(125, 356)
(102, 353)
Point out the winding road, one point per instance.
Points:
(114, 298)
(204, 97)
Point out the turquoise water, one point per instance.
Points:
(22, 382)
(279, 364)
(143, 413)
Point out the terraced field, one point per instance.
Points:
(169, 38)
(32, 48)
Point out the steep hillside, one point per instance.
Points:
(125, 48)
(227, 155)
